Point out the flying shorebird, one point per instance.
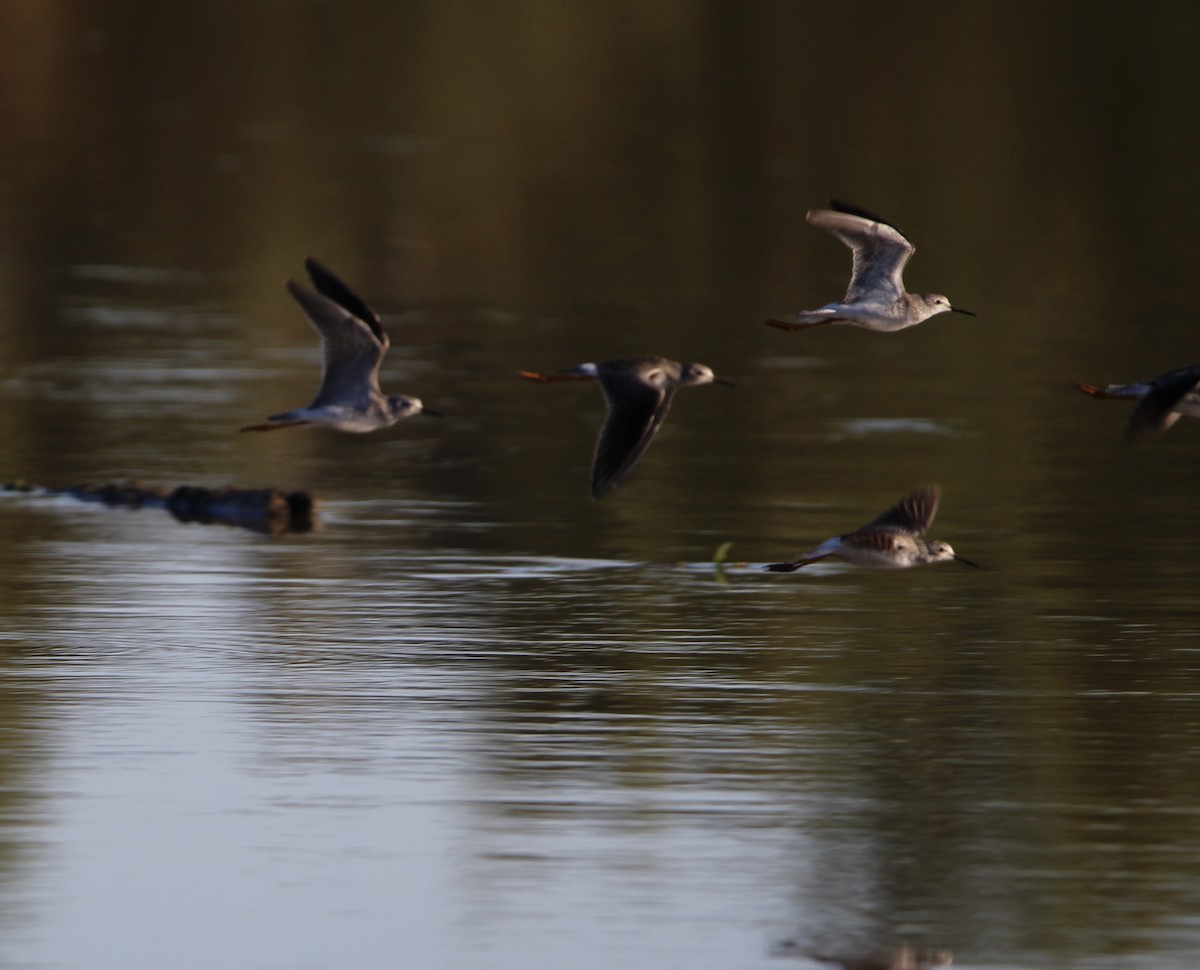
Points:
(638, 393)
(353, 343)
(1161, 401)
(889, 541)
(876, 298)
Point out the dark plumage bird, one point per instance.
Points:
(638, 392)
(1161, 401)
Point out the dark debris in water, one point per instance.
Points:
(271, 511)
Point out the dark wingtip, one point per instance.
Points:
(853, 210)
(333, 287)
(315, 267)
(782, 567)
(325, 280)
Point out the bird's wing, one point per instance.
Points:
(331, 286)
(884, 540)
(351, 350)
(636, 408)
(880, 253)
(911, 516)
(853, 210)
(1155, 411)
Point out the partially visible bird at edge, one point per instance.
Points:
(1161, 401)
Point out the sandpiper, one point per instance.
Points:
(876, 298)
(638, 393)
(1161, 401)
(889, 541)
(353, 343)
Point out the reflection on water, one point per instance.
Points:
(506, 747)
(479, 720)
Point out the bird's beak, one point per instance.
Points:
(958, 309)
(717, 380)
(967, 562)
(431, 414)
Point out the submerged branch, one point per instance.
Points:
(267, 510)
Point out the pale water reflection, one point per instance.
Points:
(476, 720)
(484, 760)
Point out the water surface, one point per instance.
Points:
(476, 720)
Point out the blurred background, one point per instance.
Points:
(477, 720)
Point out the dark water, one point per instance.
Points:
(476, 720)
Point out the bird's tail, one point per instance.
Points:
(802, 321)
(530, 375)
(272, 425)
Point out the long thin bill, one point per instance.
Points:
(958, 309)
(967, 562)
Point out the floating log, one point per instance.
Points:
(268, 510)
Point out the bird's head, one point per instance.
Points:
(700, 374)
(935, 303)
(402, 406)
(939, 551)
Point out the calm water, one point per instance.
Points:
(478, 721)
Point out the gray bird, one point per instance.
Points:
(889, 541)
(638, 393)
(876, 298)
(353, 343)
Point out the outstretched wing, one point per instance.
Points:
(1156, 412)
(637, 405)
(911, 516)
(880, 251)
(351, 350)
